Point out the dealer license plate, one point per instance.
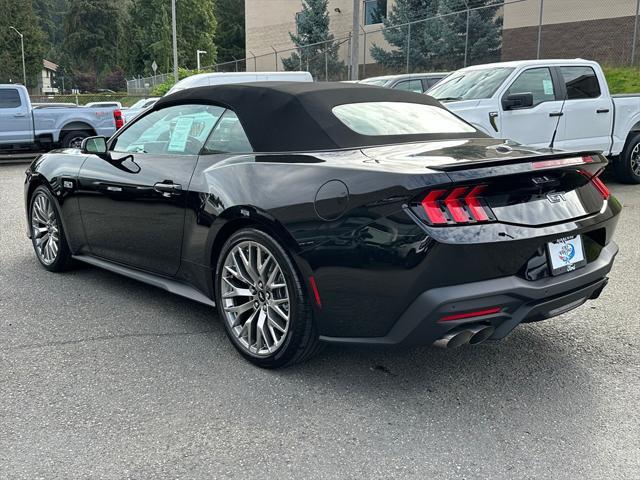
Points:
(566, 255)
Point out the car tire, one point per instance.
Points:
(627, 165)
(74, 138)
(47, 233)
(263, 302)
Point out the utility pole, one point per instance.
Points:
(540, 28)
(24, 70)
(175, 40)
(355, 53)
(198, 53)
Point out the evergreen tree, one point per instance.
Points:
(485, 34)
(230, 37)
(92, 43)
(439, 43)
(149, 36)
(321, 59)
(50, 15)
(21, 16)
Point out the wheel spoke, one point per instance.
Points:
(274, 324)
(238, 292)
(279, 311)
(241, 308)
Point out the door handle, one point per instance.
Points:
(168, 188)
(556, 114)
(19, 115)
(602, 110)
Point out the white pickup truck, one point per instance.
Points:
(562, 104)
(23, 126)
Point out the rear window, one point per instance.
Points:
(9, 98)
(581, 82)
(399, 118)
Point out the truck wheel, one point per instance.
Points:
(627, 165)
(74, 139)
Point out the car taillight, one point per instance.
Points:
(461, 205)
(117, 116)
(599, 184)
(561, 162)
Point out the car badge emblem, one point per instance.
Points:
(556, 197)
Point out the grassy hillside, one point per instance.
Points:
(623, 79)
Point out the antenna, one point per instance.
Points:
(559, 115)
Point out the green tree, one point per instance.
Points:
(21, 16)
(317, 50)
(92, 43)
(50, 16)
(149, 28)
(230, 36)
(438, 43)
(149, 39)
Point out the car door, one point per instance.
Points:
(15, 118)
(588, 114)
(533, 125)
(133, 202)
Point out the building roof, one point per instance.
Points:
(297, 116)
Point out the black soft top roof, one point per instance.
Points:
(297, 116)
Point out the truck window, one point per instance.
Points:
(9, 98)
(581, 82)
(410, 85)
(536, 81)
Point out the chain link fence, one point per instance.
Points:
(83, 99)
(479, 31)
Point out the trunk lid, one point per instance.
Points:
(514, 184)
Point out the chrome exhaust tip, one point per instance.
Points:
(480, 333)
(454, 339)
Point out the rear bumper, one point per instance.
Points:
(519, 299)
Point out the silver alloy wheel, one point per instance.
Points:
(635, 160)
(44, 228)
(255, 298)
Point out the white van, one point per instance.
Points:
(208, 79)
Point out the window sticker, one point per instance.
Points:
(548, 86)
(180, 134)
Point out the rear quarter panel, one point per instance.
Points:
(280, 193)
(54, 120)
(627, 119)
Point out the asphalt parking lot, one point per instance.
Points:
(104, 377)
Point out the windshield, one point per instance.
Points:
(399, 118)
(139, 104)
(470, 84)
(381, 82)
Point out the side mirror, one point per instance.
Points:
(517, 100)
(94, 145)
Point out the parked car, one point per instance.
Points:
(141, 105)
(413, 82)
(336, 213)
(564, 104)
(117, 105)
(226, 78)
(23, 126)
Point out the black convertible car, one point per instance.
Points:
(312, 213)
